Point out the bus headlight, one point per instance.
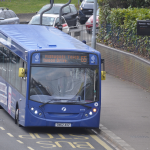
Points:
(36, 112)
(32, 108)
(90, 113)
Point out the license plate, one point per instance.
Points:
(88, 15)
(62, 124)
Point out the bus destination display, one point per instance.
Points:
(65, 59)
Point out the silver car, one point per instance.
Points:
(50, 20)
(8, 16)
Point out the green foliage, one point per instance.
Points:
(122, 29)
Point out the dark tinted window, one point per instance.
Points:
(13, 15)
(48, 21)
(73, 9)
(54, 10)
(7, 14)
(4, 60)
(24, 80)
(9, 66)
(2, 14)
(66, 10)
(57, 21)
(62, 20)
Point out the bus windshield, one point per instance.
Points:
(63, 85)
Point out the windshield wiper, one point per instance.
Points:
(81, 104)
(48, 102)
(74, 103)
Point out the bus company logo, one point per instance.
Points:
(63, 109)
(96, 104)
(37, 57)
(93, 59)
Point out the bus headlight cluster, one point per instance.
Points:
(36, 111)
(90, 113)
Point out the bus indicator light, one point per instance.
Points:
(94, 109)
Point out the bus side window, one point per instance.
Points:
(24, 80)
(1, 59)
(18, 79)
(12, 69)
(4, 61)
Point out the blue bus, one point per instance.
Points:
(48, 78)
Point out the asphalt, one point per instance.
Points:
(125, 115)
(25, 18)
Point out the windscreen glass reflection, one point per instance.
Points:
(64, 85)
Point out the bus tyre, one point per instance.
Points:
(17, 117)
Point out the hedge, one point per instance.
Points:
(118, 28)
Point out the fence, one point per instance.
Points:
(80, 33)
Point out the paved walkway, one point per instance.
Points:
(126, 112)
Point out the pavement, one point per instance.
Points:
(125, 114)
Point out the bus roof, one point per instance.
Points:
(36, 37)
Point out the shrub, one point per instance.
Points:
(118, 28)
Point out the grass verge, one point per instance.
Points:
(30, 6)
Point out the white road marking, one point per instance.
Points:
(19, 141)
(10, 134)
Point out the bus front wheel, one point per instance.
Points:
(17, 117)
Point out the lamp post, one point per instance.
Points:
(93, 43)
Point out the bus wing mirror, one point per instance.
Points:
(103, 73)
(21, 72)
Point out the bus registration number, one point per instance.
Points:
(62, 124)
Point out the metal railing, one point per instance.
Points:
(81, 33)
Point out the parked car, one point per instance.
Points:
(8, 16)
(89, 23)
(50, 20)
(69, 12)
(86, 10)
